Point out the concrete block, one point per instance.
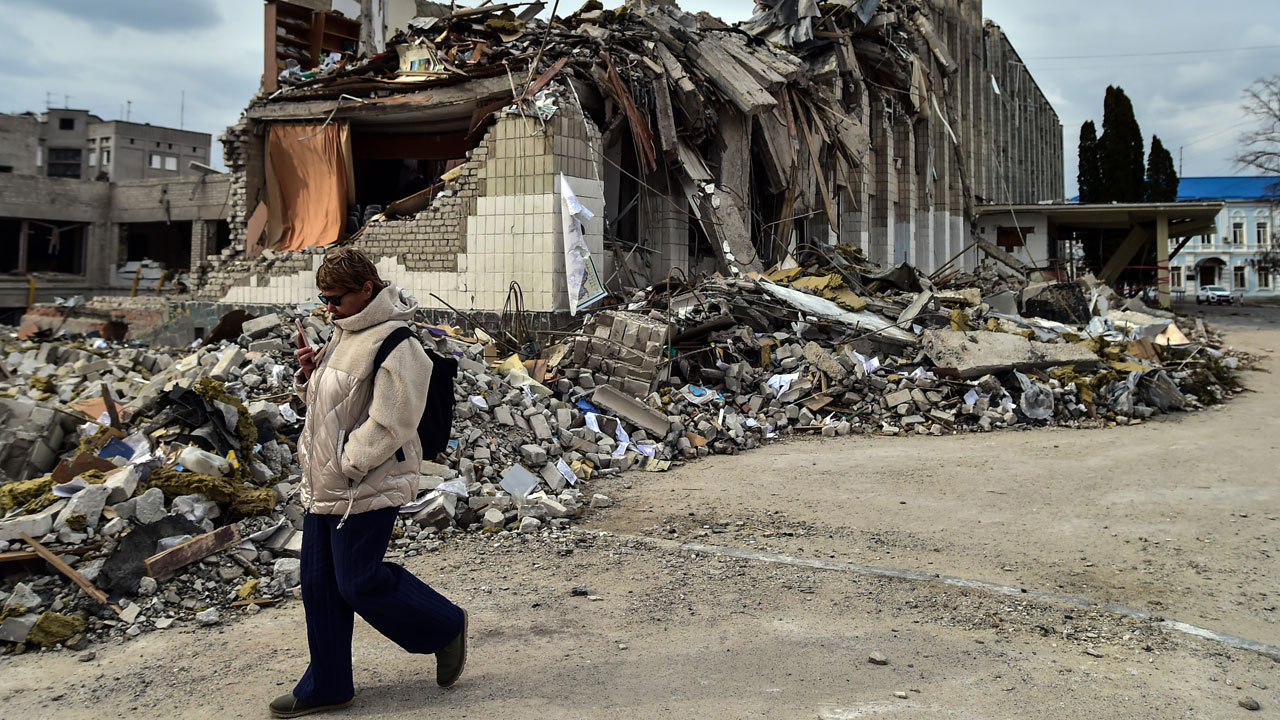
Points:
(259, 327)
(34, 525)
(88, 502)
(973, 354)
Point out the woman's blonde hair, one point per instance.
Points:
(347, 269)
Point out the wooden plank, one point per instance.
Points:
(666, 116)
(544, 78)
(819, 174)
(165, 563)
(14, 556)
(68, 571)
(639, 122)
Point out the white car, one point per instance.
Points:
(1214, 294)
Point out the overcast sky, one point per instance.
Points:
(1184, 63)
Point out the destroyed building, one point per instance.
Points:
(94, 207)
(690, 146)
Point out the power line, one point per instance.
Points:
(1156, 54)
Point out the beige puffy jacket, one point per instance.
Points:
(354, 425)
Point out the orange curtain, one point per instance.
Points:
(308, 184)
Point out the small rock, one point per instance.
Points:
(900, 695)
(209, 617)
(877, 659)
(601, 501)
(87, 656)
(1249, 703)
(147, 586)
(163, 623)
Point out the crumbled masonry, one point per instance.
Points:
(712, 365)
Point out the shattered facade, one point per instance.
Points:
(695, 147)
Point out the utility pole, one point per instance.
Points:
(1180, 160)
(128, 113)
(182, 110)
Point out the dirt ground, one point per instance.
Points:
(1178, 517)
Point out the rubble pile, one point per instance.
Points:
(164, 485)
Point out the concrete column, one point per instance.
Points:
(886, 182)
(664, 225)
(1162, 259)
(201, 230)
(735, 159)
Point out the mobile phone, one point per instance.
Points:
(302, 334)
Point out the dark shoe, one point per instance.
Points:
(450, 660)
(288, 706)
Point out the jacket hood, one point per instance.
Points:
(392, 303)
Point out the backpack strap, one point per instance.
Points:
(389, 343)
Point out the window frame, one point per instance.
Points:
(171, 160)
(1237, 233)
(1239, 278)
(155, 161)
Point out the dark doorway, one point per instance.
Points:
(10, 245)
(55, 248)
(166, 243)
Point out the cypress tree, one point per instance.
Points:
(1162, 178)
(1089, 175)
(1120, 154)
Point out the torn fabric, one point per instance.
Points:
(307, 184)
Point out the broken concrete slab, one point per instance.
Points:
(631, 410)
(966, 354)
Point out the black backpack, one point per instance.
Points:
(436, 423)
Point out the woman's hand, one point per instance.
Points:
(306, 356)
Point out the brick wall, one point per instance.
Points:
(499, 221)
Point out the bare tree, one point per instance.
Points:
(1260, 147)
(1260, 150)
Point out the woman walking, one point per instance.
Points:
(360, 458)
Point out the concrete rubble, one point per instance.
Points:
(202, 438)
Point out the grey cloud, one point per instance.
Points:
(144, 15)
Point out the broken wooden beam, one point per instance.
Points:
(198, 548)
(89, 588)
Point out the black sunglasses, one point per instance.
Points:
(333, 299)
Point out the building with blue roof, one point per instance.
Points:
(1244, 230)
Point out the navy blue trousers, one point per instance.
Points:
(343, 573)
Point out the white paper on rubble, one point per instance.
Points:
(647, 450)
(971, 397)
(566, 471)
(70, 487)
(782, 383)
(287, 414)
(591, 422)
(583, 279)
(480, 402)
(421, 503)
(869, 364)
(457, 487)
(621, 449)
(620, 434)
